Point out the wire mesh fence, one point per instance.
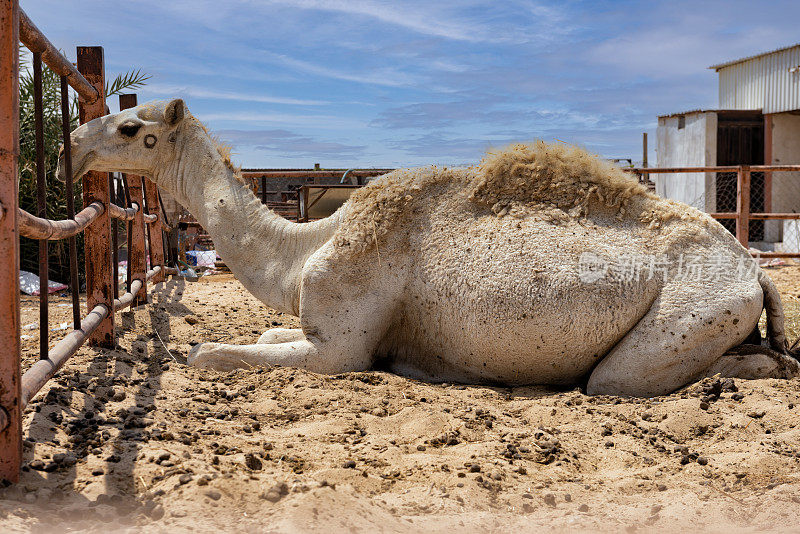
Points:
(774, 198)
(723, 192)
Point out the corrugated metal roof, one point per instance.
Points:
(685, 113)
(770, 82)
(668, 115)
(735, 61)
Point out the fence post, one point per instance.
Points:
(645, 176)
(97, 237)
(156, 237)
(10, 417)
(136, 250)
(743, 205)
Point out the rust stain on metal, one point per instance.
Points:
(71, 241)
(11, 434)
(35, 41)
(155, 230)
(97, 237)
(136, 257)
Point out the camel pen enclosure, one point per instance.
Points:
(144, 228)
(105, 427)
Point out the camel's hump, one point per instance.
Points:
(520, 177)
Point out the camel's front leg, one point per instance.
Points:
(316, 357)
(281, 335)
(344, 317)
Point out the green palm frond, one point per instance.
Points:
(133, 79)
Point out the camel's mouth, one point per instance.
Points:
(78, 170)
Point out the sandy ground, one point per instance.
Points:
(134, 440)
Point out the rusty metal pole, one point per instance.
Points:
(10, 417)
(156, 238)
(137, 264)
(41, 206)
(114, 238)
(97, 237)
(73, 247)
(743, 205)
(36, 41)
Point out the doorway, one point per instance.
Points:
(740, 141)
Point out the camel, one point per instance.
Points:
(542, 265)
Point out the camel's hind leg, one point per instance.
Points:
(687, 329)
(754, 361)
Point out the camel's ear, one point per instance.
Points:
(174, 112)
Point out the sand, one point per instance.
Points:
(133, 440)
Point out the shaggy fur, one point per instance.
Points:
(556, 183)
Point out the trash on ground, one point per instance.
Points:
(29, 284)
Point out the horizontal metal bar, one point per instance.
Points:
(769, 216)
(727, 168)
(777, 255)
(306, 171)
(774, 168)
(757, 216)
(150, 218)
(43, 370)
(35, 41)
(313, 174)
(125, 214)
(125, 300)
(656, 170)
(38, 228)
(152, 272)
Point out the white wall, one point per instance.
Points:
(693, 145)
(786, 185)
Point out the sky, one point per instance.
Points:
(360, 83)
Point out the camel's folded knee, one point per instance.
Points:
(280, 335)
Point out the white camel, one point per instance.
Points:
(542, 265)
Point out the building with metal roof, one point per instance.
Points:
(757, 122)
(769, 81)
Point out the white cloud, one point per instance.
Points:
(414, 18)
(201, 92)
(385, 76)
(286, 119)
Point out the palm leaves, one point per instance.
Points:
(133, 79)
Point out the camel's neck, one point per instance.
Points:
(265, 251)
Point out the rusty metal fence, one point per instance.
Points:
(741, 198)
(140, 212)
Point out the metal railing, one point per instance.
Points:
(743, 215)
(95, 221)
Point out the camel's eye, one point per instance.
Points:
(129, 129)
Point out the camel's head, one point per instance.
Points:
(136, 140)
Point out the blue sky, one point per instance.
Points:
(366, 83)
